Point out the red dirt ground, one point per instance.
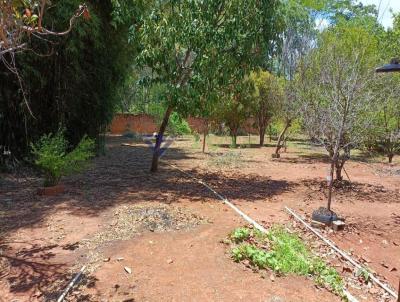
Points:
(44, 240)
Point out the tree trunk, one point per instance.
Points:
(234, 139)
(204, 142)
(281, 136)
(270, 133)
(339, 176)
(339, 167)
(205, 133)
(390, 157)
(262, 136)
(159, 139)
(330, 181)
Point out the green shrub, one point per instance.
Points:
(51, 156)
(177, 125)
(196, 136)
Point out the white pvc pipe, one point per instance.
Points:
(349, 297)
(71, 284)
(340, 252)
(226, 201)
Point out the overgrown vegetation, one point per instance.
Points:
(284, 253)
(52, 156)
(240, 65)
(69, 80)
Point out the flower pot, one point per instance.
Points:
(51, 191)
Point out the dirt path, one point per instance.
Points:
(193, 266)
(45, 240)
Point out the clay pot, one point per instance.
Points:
(51, 191)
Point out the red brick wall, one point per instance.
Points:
(140, 123)
(196, 124)
(145, 124)
(250, 126)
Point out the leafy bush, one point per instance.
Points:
(177, 125)
(51, 156)
(196, 136)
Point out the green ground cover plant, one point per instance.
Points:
(284, 253)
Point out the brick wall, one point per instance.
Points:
(136, 123)
(196, 124)
(145, 124)
(250, 126)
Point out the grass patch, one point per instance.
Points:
(284, 253)
(229, 159)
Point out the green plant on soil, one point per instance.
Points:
(287, 255)
(363, 273)
(240, 234)
(51, 156)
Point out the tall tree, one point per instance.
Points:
(384, 136)
(298, 37)
(180, 39)
(267, 95)
(335, 81)
(235, 106)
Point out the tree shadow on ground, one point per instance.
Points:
(122, 176)
(343, 190)
(33, 271)
(243, 146)
(367, 157)
(309, 158)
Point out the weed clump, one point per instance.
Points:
(286, 254)
(240, 234)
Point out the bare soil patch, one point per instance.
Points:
(167, 228)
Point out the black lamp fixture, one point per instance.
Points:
(393, 66)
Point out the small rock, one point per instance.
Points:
(272, 278)
(38, 293)
(365, 259)
(276, 299)
(393, 269)
(347, 269)
(170, 261)
(373, 290)
(128, 270)
(106, 259)
(120, 258)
